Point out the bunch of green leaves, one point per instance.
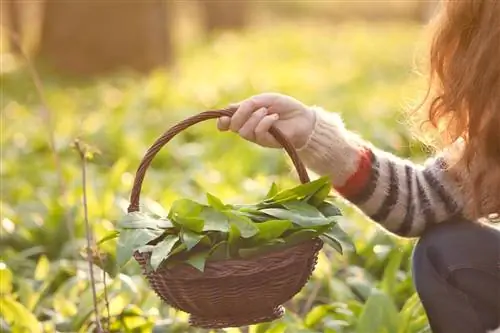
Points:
(194, 233)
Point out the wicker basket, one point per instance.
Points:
(235, 292)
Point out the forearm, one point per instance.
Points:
(400, 195)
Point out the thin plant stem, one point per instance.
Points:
(88, 234)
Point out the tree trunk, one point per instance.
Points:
(225, 14)
(426, 9)
(14, 36)
(88, 37)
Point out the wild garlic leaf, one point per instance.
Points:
(320, 195)
(185, 208)
(215, 202)
(297, 218)
(272, 191)
(192, 223)
(191, 239)
(198, 260)
(219, 251)
(245, 226)
(272, 229)
(301, 191)
(233, 239)
(333, 242)
(301, 236)
(130, 240)
(328, 209)
(302, 208)
(162, 250)
(214, 220)
(140, 220)
(342, 237)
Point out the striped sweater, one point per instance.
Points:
(401, 196)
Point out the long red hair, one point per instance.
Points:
(463, 100)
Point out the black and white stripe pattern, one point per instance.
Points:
(404, 197)
(401, 196)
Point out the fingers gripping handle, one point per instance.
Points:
(179, 127)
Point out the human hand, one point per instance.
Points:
(255, 116)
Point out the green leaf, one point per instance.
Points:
(193, 224)
(246, 227)
(233, 240)
(5, 279)
(215, 202)
(220, 251)
(21, 318)
(140, 220)
(332, 242)
(214, 220)
(198, 260)
(272, 191)
(340, 235)
(271, 229)
(109, 236)
(389, 280)
(300, 191)
(320, 195)
(162, 250)
(303, 208)
(297, 218)
(379, 312)
(272, 245)
(329, 209)
(131, 239)
(190, 238)
(185, 208)
(42, 268)
(301, 236)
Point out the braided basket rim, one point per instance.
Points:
(273, 260)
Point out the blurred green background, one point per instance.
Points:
(115, 74)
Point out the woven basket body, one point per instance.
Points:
(235, 293)
(230, 293)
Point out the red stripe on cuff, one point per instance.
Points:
(358, 179)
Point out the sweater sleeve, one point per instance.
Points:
(401, 196)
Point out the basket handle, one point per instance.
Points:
(179, 127)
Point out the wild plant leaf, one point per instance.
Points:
(328, 209)
(131, 239)
(300, 236)
(109, 236)
(191, 239)
(185, 208)
(219, 251)
(320, 195)
(246, 227)
(299, 191)
(233, 240)
(340, 235)
(272, 245)
(198, 260)
(140, 220)
(379, 312)
(191, 223)
(215, 202)
(332, 242)
(162, 250)
(297, 218)
(272, 191)
(214, 220)
(271, 229)
(303, 208)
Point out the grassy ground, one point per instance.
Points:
(364, 71)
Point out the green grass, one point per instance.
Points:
(362, 71)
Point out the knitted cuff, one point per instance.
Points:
(332, 150)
